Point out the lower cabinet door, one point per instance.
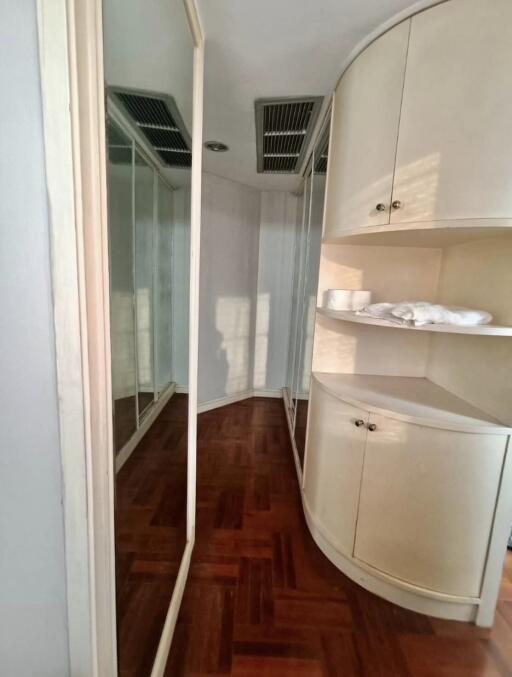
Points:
(334, 462)
(427, 504)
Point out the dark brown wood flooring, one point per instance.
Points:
(262, 600)
(150, 521)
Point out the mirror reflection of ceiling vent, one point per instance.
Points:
(322, 153)
(158, 118)
(283, 131)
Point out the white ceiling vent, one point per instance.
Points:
(283, 131)
(157, 116)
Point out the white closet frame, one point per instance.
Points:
(72, 77)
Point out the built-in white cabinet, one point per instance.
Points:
(407, 480)
(427, 504)
(454, 149)
(402, 478)
(433, 146)
(337, 434)
(364, 129)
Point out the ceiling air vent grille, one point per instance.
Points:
(283, 131)
(158, 118)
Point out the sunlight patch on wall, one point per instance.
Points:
(261, 341)
(233, 322)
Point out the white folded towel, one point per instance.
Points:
(419, 313)
(382, 311)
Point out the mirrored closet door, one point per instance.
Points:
(305, 284)
(148, 54)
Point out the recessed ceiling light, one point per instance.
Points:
(216, 146)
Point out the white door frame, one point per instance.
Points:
(72, 83)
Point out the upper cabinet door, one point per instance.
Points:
(454, 156)
(364, 135)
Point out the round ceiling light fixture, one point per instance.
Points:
(216, 146)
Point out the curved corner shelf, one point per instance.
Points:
(478, 330)
(409, 398)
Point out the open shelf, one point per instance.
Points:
(409, 398)
(478, 330)
(424, 234)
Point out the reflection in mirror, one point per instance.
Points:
(144, 217)
(122, 315)
(307, 262)
(149, 126)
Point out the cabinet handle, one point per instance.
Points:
(359, 423)
(396, 204)
(381, 207)
(372, 427)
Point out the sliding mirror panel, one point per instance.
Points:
(144, 182)
(122, 311)
(148, 54)
(294, 320)
(298, 393)
(163, 287)
(310, 286)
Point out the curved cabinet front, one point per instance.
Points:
(410, 504)
(427, 504)
(364, 129)
(421, 123)
(337, 434)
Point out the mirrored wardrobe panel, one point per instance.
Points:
(148, 52)
(308, 240)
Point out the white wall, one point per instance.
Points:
(247, 250)
(228, 287)
(274, 295)
(33, 631)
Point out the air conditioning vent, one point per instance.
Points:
(158, 118)
(283, 131)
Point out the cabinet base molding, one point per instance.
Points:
(397, 592)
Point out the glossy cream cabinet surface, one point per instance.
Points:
(406, 488)
(427, 504)
(422, 123)
(363, 135)
(455, 140)
(334, 465)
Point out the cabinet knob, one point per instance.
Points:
(359, 423)
(396, 204)
(372, 427)
(381, 207)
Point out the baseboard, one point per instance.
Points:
(164, 645)
(181, 390)
(238, 397)
(222, 401)
(148, 421)
(268, 393)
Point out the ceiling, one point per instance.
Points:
(267, 48)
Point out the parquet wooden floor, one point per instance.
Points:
(262, 600)
(150, 521)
